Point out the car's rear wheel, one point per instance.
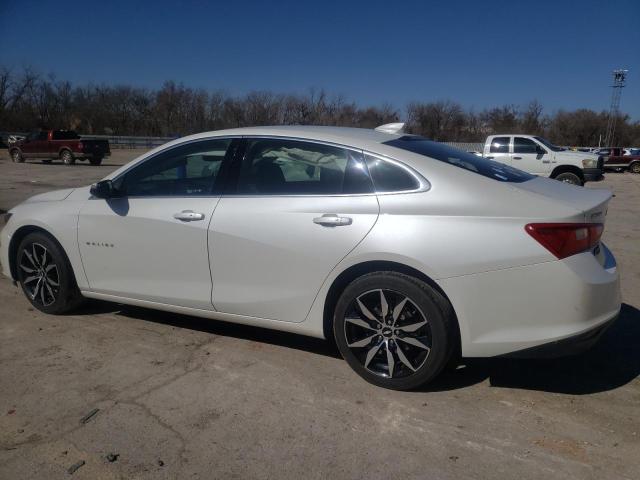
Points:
(95, 160)
(394, 330)
(16, 156)
(635, 167)
(67, 157)
(571, 178)
(45, 275)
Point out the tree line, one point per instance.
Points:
(30, 100)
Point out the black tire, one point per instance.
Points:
(366, 345)
(570, 178)
(95, 161)
(634, 167)
(45, 275)
(67, 157)
(16, 156)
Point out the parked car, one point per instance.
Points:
(406, 252)
(617, 159)
(63, 144)
(538, 156)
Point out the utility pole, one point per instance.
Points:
(619, 81)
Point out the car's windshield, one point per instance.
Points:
(460, 158)
(548, 144)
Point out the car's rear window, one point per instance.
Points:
(65, 135)
(459, 158)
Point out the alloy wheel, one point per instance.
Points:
(39, 274)
(387, 332)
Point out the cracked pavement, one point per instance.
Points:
(183, 397)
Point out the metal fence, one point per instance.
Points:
(114, 141)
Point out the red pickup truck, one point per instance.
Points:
(63, 144)
(615, 159)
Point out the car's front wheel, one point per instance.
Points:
(394, 330)
(16, 156)
(570, 178)
(45, 275)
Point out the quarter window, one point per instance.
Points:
(390, 177)
(187, 170)
(291, 167)
(499, 145)
(524, 145)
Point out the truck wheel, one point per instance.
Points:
(95, 161)
(634, 167)
(16, 156)
(571, 178)
(67, 157)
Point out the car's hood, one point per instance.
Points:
(590, 201)
(54, 196)
(575, 155)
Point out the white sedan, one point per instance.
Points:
(405, 252)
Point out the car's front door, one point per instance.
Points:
(299, 208)
(150, 241)
(529, 156)
(36, 145)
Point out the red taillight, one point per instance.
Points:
(566, 239)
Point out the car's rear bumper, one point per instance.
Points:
(593, 174)
(565, 347)
(516, 309)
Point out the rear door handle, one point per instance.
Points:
(332, 220)
(517, 158)
(188, 216)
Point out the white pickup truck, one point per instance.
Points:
(539, 156)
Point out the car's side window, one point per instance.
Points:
(43, 136)
(292, 167)
(186, 170)
(524, 145)
(499, 145)
(390, 177)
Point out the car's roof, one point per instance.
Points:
(357, 137)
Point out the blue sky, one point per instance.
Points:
(478, 53)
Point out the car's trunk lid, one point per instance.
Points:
(591, 202)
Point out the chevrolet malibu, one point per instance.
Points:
(405, 252)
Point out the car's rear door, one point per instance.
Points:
(499, 150)
(150, 243)
(298, 208)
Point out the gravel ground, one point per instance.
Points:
(181, 397)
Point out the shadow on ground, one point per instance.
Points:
(613, 362)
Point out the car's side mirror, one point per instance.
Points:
(540, 150)
(102, 189)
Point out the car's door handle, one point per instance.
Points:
(517, 158)
(489, 158)
(188, 216)
(332, 220)
(546, 161)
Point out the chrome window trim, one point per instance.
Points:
(424, 184)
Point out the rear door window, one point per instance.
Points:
(499, 145)
(273, 166)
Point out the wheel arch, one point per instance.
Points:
(567, 169)
(17, 238)
(63, 149)
(359, 269)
